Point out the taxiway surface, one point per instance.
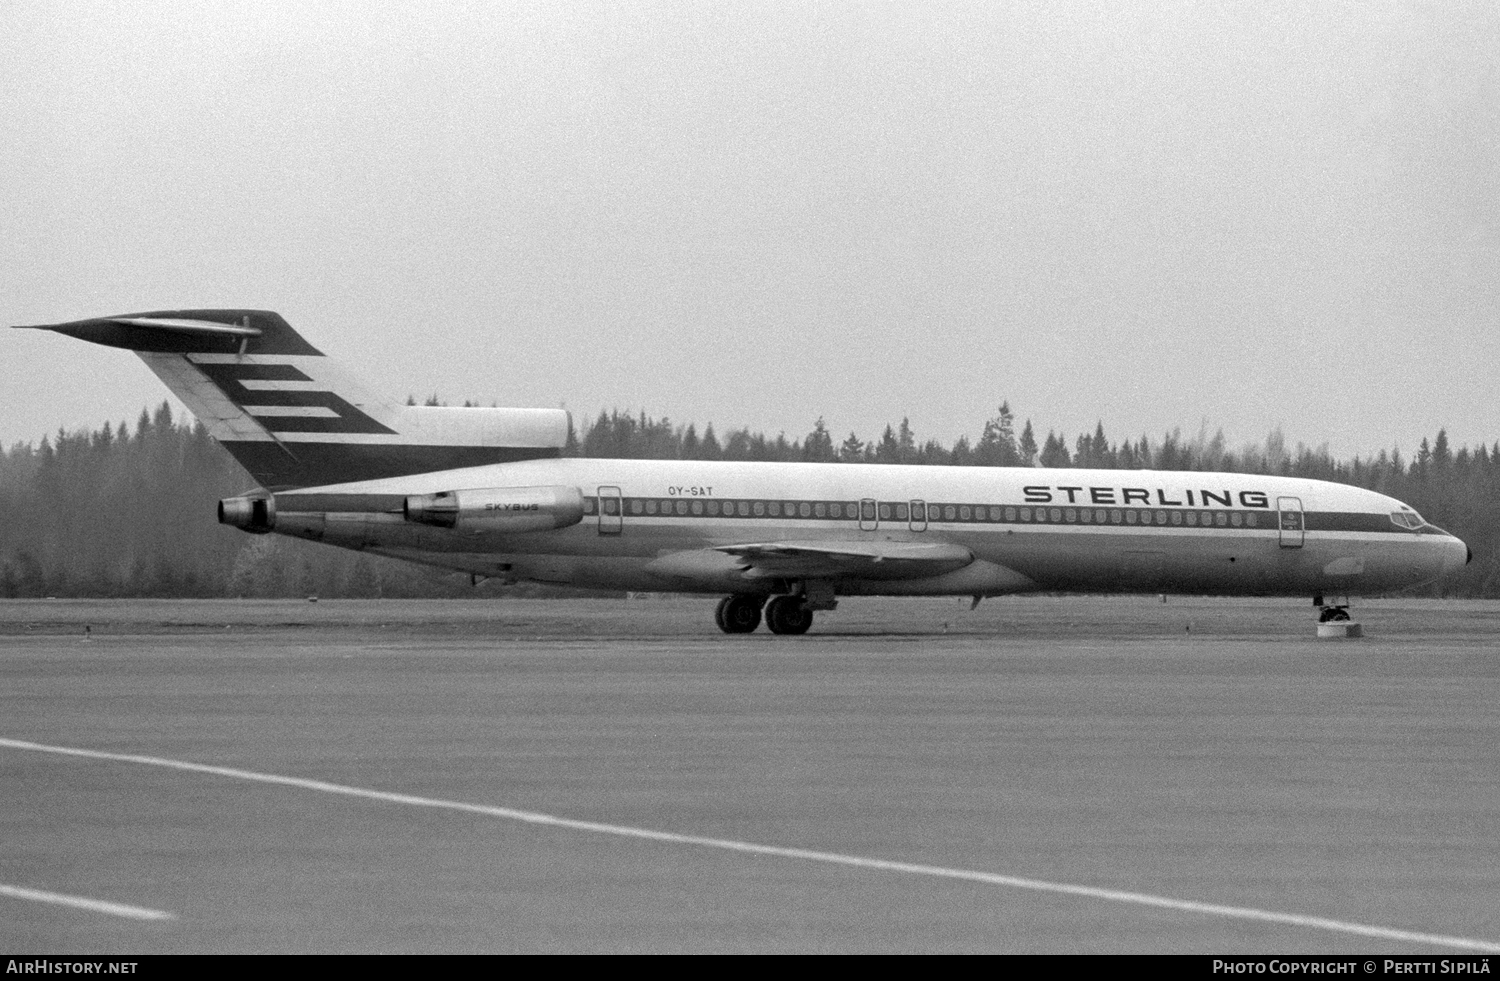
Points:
(1202, 751)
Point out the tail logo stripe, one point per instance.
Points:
(269, 406)
(264, 385)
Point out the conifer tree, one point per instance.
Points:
(1055, 452)
(1027, 447)
(711, 449)
(124, 511)
(906, 442)
(818, 446)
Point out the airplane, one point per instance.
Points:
(489, 492)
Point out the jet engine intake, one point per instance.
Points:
(501, 510)
(256, 515)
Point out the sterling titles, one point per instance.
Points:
(1157, 497)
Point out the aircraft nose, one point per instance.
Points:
(1456, 556)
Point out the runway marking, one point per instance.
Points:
(83, 902)
(832, 858)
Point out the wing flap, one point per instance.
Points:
(848, 559)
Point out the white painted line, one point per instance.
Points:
(83, 902)
(276, 385)
(307, 411)
(832, 858)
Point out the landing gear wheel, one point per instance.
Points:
(738, 614)
(1333, 614)
(788, 615)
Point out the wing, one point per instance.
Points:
(848, 560)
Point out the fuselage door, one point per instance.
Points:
(869, 517)
(918, 516)
(611, 513)
(1293, 529)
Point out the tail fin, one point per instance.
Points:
(294, 418)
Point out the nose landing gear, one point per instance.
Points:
(1334, 621)
(1331, 612)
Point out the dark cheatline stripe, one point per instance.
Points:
(943, 513)
(936, 512)
(318, 464)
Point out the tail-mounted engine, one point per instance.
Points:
(256, 515)
(500, 510)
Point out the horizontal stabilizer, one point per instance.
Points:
(190, 332)
(211, 327)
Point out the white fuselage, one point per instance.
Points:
(660, 525)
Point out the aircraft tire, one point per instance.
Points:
(719, 614)
(788, 615)
(740, 614)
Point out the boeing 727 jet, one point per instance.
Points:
(488, 492)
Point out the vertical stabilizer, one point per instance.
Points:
(293, 417)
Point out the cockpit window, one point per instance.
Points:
(1407, 519)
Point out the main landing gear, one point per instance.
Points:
(738, 614)
(784, 614)
(788, 615)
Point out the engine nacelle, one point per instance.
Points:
(501, 510)
(256, 515)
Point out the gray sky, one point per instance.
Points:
(1155, 214)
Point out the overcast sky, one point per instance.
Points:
(1153, 214)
